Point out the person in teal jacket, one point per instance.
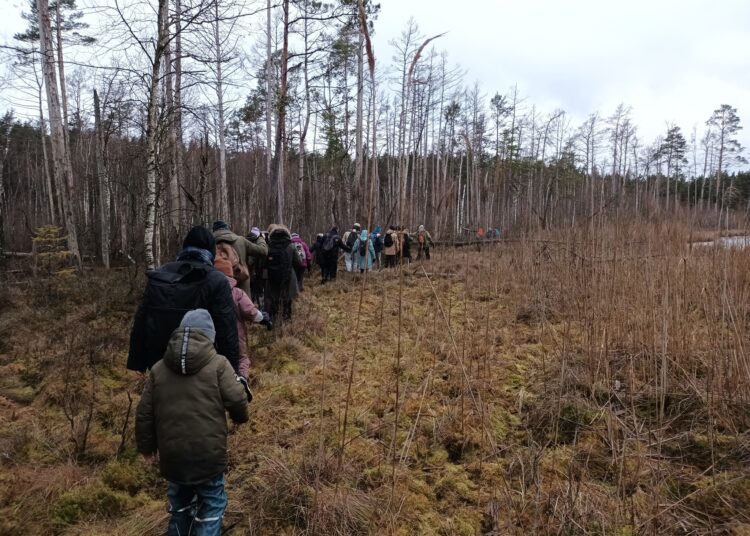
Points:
(363, 252)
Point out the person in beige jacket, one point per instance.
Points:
(391, 247)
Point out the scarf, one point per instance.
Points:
(198, 254)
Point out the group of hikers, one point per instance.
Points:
(364, 251)
(189, 340)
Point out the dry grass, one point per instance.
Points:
(580, 382)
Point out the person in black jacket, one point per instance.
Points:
(190, 282)
(329, 252)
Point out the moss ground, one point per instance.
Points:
(475, 407)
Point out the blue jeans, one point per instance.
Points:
(197, 510)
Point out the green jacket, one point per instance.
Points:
(246, 250)
(283, 236)
(182, 412)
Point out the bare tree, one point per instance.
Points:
(60, 153)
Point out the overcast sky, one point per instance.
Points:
(670, 60)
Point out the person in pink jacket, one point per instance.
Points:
(246, 310)
(305, 256)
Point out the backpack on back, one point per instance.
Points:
(329, 244)
(351, 239)
(301, 253)
(279, 261)
(169, 296)
(225, 250)
(363, 248)
(388, 240)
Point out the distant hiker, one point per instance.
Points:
(305, 256)
(257, 270)
(282, 261)
(424, 242)
(330, 247)
(391, 247)
(349, 238)
(247, 250)
(190, 282)
(363, 252)
(181, 417)
(377, 242)
(317, 250)
(406, 241)
(246, 311)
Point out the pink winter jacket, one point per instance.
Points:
(306, 249)
(246, 310)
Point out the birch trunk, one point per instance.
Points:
(152, 119)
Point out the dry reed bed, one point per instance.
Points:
(587, 382)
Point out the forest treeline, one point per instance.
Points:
(311, 128)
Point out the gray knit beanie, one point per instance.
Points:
(199, 319)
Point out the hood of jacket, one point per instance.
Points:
(280, 233)
(363, 235)
(188, 351)
(225, 235)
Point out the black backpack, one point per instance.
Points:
(169, 295)
(351, 239)
(388, 240)
(279, 261)
(329, 243)
(363, 248)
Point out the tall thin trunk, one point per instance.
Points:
(64, 102)
(281, 120)
(173, 192)
(60, 155)
(223, 193)
(176, 141)
(152, 114)
(53, 216)
(103, 180)
(304, 123)
(3, 158)
(358, 157)
(269, 96)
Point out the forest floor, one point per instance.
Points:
(586, 383)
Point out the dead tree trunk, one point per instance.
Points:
(60, 155)
(103, 181)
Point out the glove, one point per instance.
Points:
(266, 321)
(245, 386)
